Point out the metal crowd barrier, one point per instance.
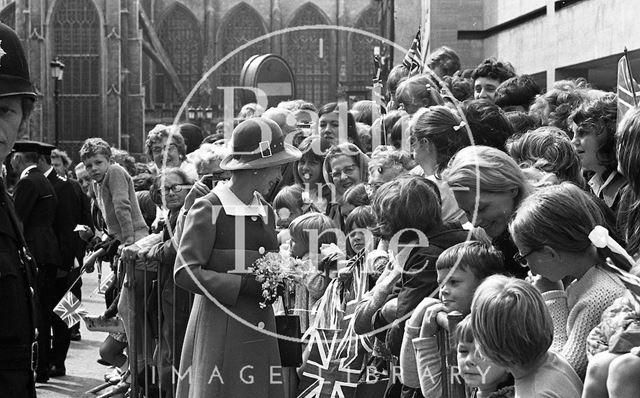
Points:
(144, 340)
(137, 315)
(452, 384)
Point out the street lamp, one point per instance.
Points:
(57, 69)
(208, 113)
(191, 113)
(200, 116)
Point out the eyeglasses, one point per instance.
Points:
(522, 258)
(348, 171)
(413, 140)
(177, 188)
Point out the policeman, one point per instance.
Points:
(17, 270)
(35, 203)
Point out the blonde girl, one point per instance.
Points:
(488, 186)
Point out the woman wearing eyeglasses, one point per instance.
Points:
(166, 147)
(345, 165)
(488, 186)
(170, 189)
(559, 231)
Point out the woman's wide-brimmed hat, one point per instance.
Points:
(258, 143)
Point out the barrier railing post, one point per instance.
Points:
(159, 366)
(129, 284)
(145, 332)
(450, 388)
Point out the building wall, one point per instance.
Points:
(499, 11)
(127, 74)
(583, 39)
(450, 16)
(407, 21)
(275, 15)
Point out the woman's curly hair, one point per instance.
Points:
(599, 116)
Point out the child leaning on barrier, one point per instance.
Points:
(460, 268)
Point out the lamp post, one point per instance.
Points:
(57, 69)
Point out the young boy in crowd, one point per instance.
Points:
(114, 192)
(460, 269)
(118, 203)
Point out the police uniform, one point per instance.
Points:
(17, 309)
(35, 204)
(62, 218)
(68, 215)
(17, 270)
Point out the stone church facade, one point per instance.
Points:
(130, 63)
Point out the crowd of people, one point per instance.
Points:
(471, 194)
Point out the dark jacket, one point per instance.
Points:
(82, 216)
(420, 279)
(68, 215)
(16, 311)
(35, 204)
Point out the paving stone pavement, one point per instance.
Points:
(83, 372)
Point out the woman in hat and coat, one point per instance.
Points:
(228, 350)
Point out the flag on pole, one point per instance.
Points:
(426, 46)
(628, 88)
(413, 58)
(70, 310)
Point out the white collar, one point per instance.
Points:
(598, 185)
(46, 173)
(26, 171)
(233, 206)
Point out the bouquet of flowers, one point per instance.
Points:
(277, 272)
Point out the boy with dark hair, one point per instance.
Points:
(488, 76)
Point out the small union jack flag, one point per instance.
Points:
(413, 58)
(70, 310)
(628, 89)
(105, 283)
(336, 359)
